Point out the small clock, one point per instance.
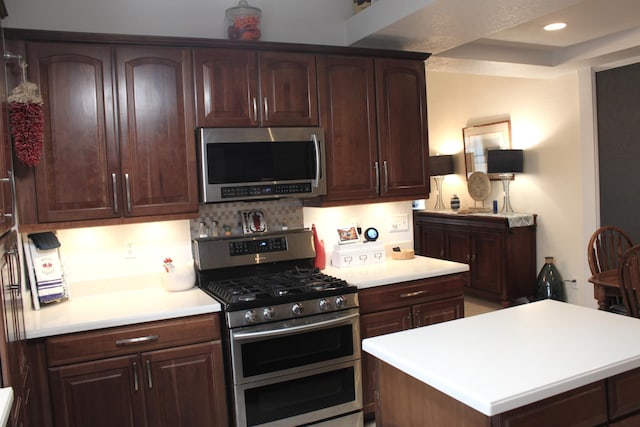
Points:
(371, 234)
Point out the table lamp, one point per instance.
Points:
(505, 163)
(439, 166)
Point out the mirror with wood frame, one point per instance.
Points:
(481, 138)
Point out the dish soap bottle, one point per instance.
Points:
(321, 256)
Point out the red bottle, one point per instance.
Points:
(321, 256)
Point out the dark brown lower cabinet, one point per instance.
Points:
(167, 373)
(404, 400)
(501, 258)
(401, 306)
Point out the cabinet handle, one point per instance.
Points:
(266, 109)
(138, 340)
(126, 181)
(417, 320)
(386, 176)
(149, 373)
(114, 181)
(10, 179)
(375, 166)
(413, 294)
(135, 376)
(255, 109)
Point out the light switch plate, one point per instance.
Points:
(399, 222)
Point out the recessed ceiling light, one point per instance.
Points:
(555, 26)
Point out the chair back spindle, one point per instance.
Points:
(629, 277)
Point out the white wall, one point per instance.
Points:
(294, 21)
(545, 122)
(101, 252)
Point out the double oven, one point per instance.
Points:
(291, 333)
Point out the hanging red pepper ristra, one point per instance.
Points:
(26, 117)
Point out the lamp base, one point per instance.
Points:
(506, 205)
(439, 203)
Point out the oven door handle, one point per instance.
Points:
(239, 336)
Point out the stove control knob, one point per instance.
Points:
(269, 313)
(324, 304)
(251, 316)
(340, 301)
(297, 309)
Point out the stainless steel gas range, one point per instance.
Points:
(291, 333)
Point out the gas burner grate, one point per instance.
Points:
(298, 283)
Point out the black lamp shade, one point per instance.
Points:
(505, 161)
(440, 165)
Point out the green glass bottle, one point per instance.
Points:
(549, 284)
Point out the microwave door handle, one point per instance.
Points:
(316, 146)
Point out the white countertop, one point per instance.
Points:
(127, 301)
(122, 307)
(395, 271)
(509, 358)
(6, 400)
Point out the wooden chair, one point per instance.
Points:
(607, 245)
(629, 277)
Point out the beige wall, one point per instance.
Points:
(545, 122)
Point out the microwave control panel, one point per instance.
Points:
(264, 190)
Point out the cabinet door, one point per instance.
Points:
(402, 127)
(346, 91)
(487, 266)
(73, 180)
(12, 333)
(371, 325)
(288, 89)
(226, 88)
(458, 241)
(438, 311)
(102, 393)
(157, 139)
(7, 219)
(185, 386)
(429, 240)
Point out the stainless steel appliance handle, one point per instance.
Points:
(386, 176)
(137, 340)
(114, 181)
(126, 181)
(240, 336)
(316, 146)
(375, 166)
(266, 109)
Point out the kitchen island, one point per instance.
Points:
(544, 363)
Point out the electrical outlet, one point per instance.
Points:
(399, 222)
(130, 249)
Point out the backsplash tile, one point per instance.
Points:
(277, 213)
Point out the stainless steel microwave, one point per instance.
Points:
(260, 163)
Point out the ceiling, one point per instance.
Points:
(505, 37)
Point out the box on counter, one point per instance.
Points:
(357, 254)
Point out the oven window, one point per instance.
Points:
(229, 163)
(290, 398)
(261, 357)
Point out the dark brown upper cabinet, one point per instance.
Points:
(118, 136)
(374, 114)
(245, 88)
